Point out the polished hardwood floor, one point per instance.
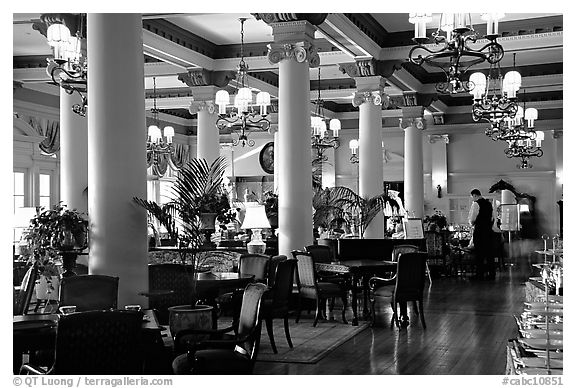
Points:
(468, 324)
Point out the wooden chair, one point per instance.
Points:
(324, 254)
(406, 248)
(96, 342)
(254, 264)
(23, 295)
(276, 303)
(169, 285)
(405, 286)
(310, 288)
(89, 292)
(225, 353)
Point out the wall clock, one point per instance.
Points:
(267, 158)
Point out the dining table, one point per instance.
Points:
(37, 332)
(210, 285)
(359, 273)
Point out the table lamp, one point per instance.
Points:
(255, 219)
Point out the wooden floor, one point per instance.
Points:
(468, 324)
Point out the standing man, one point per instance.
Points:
(480, 217)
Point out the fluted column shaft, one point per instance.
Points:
(117, 153)
(208, 137)
(294, 54)
(73, 154)
(413, 124)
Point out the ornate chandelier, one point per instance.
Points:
(158, 144)
(495, 98)
(523, 141)
(68, 68)
(320, 138)
(243, 119)
(353, 145)
(455, 32)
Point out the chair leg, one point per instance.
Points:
(318, 311)
(298, 308)
(428, 272)
(373, 307)
(344, 297)
(270, 330)
(287, 332)
(422, 314)
(415, 307)
(330, 314)
(395, 313)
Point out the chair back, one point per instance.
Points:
(89, 292)
(283, 283)
(168, 277)
(410, 275)
(320, 253)
(254, 264)
(249, 322)
(401, 249)
(272, 268)
(99, 342)
(22, 298)
(306, 272)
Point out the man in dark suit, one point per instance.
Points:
(481, 219)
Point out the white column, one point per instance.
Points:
(117, 152)
(294, 57)
(370, 166)
(274, 130)
(438, 144)
(413, 124)
(207, 135)
(73, 154)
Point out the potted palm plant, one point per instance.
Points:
(336, 202)
(197, 190)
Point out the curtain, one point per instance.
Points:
(50, 130)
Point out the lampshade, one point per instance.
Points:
(419, 20)
(479, 81)
(222, 99)
(353, 144)
(255, 217)
(57, 34)
(492, 22)
(511, 84)
(154, 134)
(335, 126)
(169, 133)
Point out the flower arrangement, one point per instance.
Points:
(436, 221)
(50, 232)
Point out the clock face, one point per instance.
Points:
(267, 158)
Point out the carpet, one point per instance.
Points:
(311, 344)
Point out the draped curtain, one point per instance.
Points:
(50, 129)
(176, 160)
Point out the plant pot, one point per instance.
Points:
(46, 290)
(190, 317)
(207, 221)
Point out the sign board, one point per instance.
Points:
(413, 228)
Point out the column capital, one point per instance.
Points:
(300, 52)
(367, 67)
(312, 18)
(293, 39)
(197, 106)
(370, 90)
(413, 116)
(443, 138)
(203, 77)
(558, 133)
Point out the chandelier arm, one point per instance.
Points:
(419, 60)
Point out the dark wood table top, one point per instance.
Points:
(354, 265)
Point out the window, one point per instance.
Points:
(19, 190)
(45, 190)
